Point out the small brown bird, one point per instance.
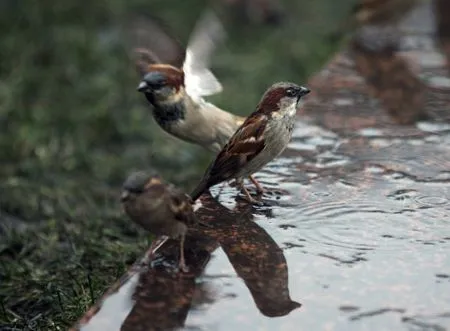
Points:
(176, 89)
(158, 207)
(260, 139)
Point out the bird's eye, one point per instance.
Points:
(290, 92)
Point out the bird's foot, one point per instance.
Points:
(259, 189)
(249, 198)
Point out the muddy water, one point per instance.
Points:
(354, 232)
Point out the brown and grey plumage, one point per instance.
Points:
(158, 207)
(175, 85)
(262, 137)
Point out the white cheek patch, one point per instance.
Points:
(299, 104)
(292, 109)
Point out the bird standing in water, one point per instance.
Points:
(262, 137)
(159, 208)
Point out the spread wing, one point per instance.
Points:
(181, 206)
(149, 41)
(199, 80)
(243, 146)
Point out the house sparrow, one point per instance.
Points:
(158, 207)
(260, 139)
(176, 90)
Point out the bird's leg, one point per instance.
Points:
(151, 250)
(248, 197)
(156, 244)
(182, 262)
(259, 187)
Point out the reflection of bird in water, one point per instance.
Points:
(163, 299)
(255, 257)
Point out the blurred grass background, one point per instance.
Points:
(72, 126)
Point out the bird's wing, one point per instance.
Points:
(243, 146)
(149, 41)
(199, 80)
(181, 206)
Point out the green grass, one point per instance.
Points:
(72, 126)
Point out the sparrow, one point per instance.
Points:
(159, 208)
(176, 89)
(261, 138)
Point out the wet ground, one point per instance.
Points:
(355, 233)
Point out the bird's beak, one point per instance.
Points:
(143, 86)
(303, 91)
(124, 196)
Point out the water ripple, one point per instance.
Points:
(366, 225)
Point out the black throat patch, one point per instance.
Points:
(166, 114)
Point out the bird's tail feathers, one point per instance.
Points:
(198, 191)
